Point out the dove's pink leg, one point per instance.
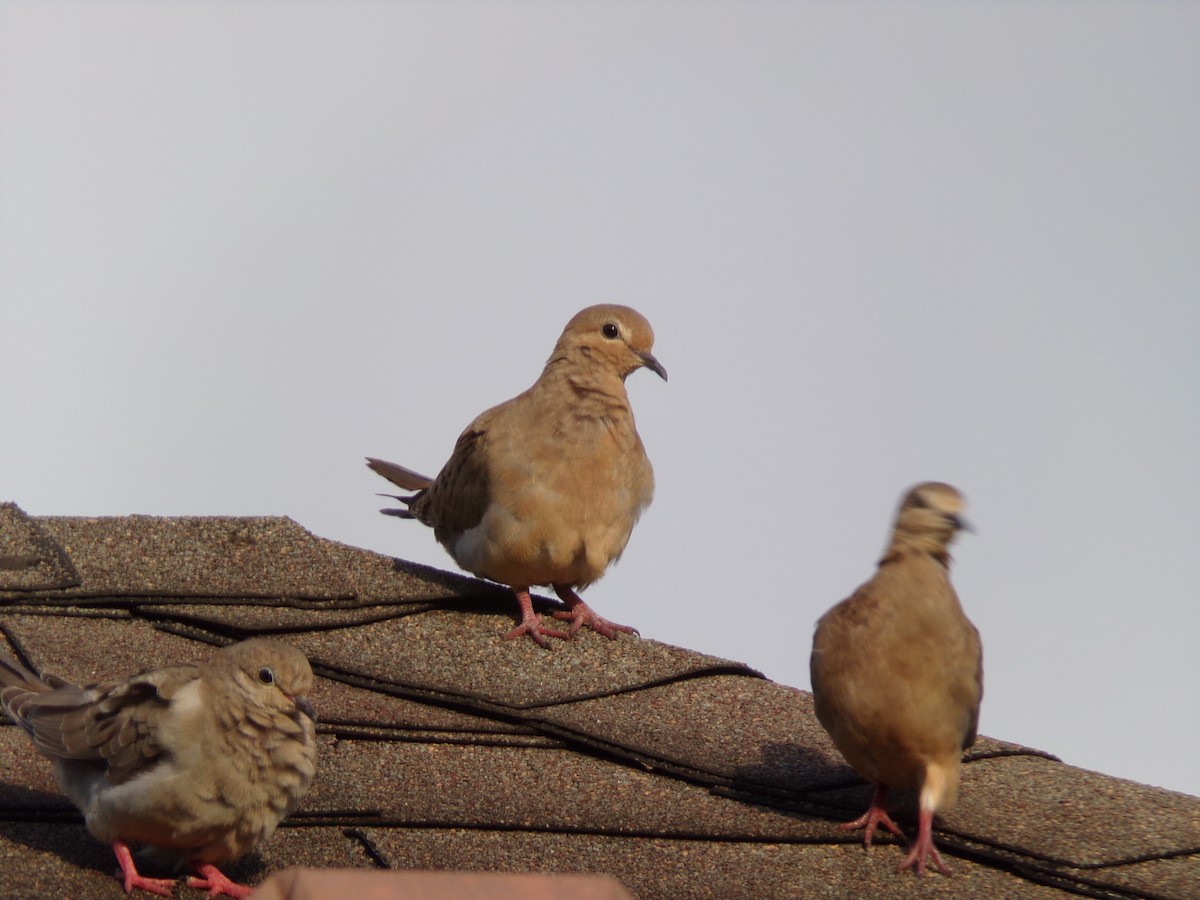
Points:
(581, 614)
(875, 815)
(923, 847)
(531, 622)
(216, 883)
(162, 886)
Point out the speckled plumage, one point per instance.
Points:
(200, 762)
(545, 488)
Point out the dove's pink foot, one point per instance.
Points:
(923, 848)
(875, 816)
(531, 622)
(217, 884)
(162, 886)
(581, 614)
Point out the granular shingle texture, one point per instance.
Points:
(444, 746)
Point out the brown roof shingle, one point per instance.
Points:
(445, 747)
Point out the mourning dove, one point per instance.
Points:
(897, 671)
(200, 762)
(545, 488)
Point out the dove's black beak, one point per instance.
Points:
(303, 704)
(961, 524)
(653, 365)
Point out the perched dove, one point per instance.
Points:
(897, 671)
(200, 762)
(545, 488)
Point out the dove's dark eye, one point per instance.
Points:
(610, 330)
(266, 676)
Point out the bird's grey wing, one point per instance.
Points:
(116, 722)
(18, 687)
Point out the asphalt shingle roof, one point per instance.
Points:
(445, 747)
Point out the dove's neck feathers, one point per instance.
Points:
(909, 546)
(921, 531)
(597, 384)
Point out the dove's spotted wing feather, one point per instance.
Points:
(114, 722)
(200, 762)
(456, 500)
(459, 497)
(19, 686)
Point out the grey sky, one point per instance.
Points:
(244, 245)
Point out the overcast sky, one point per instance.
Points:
(244, 245)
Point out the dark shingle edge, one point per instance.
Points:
(527, 716)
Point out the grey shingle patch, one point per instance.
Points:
(344, 704)
(27, 779)
(1076, 817)
(461, 655)
(1165, 877)
(88, 648)
(212, 556)
(725, 729)
(539, 789)
(30, 560)
(246, 618)
(683, 868)
(383, 579)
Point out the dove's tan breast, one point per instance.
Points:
(563, 501)
(895, 670)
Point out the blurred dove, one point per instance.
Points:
(201, 762)
(546, 488)
(897, 671)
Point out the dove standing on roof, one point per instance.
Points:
(200, 762)
(897, 672)
(545, 488)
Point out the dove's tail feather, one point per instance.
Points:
(399, 476)
(399, 513)
(16, 676)
(18, 686)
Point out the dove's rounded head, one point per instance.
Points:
(617, 337)
(933, 509)
(270, 674)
